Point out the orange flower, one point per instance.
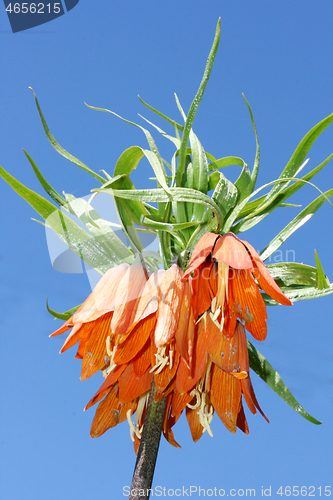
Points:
(186, 333)
(224, 280)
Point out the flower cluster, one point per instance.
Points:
(187, 330)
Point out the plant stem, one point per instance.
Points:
(149, 444)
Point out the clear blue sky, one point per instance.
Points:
(280, 54)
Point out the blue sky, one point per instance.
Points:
(280, 55)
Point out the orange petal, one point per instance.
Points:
(102, 299)
(131, 386)
(185, 323)
(172, 291)
(250, 304)
(242, 348)
(202, 294)
(149, 299)
(105, 387)
(250, 397)
(161, 395)
(127, 298)
(242, 422)
(168, 423)
(265, 280)
(106, 415)
(185, 379)
(194, 424)
(230, 250)
(63, 328)
(95, 355)
(179, 403)
(131, 405)
(141, 362)
(225, 395)
(201, 251)
(75, 335)
(126, 351)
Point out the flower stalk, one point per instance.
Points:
(149, 444)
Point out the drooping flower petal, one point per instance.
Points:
(225, 395)
(171, 290)
(127, 298)
(201, 251)
(107, 414)
(230, 250)
(265, 280)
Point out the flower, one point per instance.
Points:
(187, 333)
(224, 283)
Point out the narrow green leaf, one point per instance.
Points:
(80, 242)
(200, 173)
(174, 140)
(322, 282)
(165, 226)
(60, 149)
(302, 293)
(296, 223)
(257, 156)
(225, 194)
(159, 195)
(169, 120)
(195, 104)
(267, 373)
(100, 229)
(293, 273)
(49, 189)
(250, 209)
(65, 315)
(153, 156)
(298, 156)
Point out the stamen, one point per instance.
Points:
(195, 393)
(135, 426)
(108, 346)
(130, 423)
(162, 360)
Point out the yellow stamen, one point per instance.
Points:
(162, 360)
(108, 346)
(135, 426)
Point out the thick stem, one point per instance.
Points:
(148, 449)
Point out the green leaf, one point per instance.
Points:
(195, 104)
(200, 173)
(65, 315)
(250, 209)
(60, 149)
(100, 229)
(225, 194)
(296, 223)
(80, 242)
(323, 282)
(257, 157)
(49, 189)
(165, 226)
(153, 156)
(302, 293)
(169, 120)
(174, 140)
(159, 195)
(298, 157)
(265, 371)
(292, 273)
